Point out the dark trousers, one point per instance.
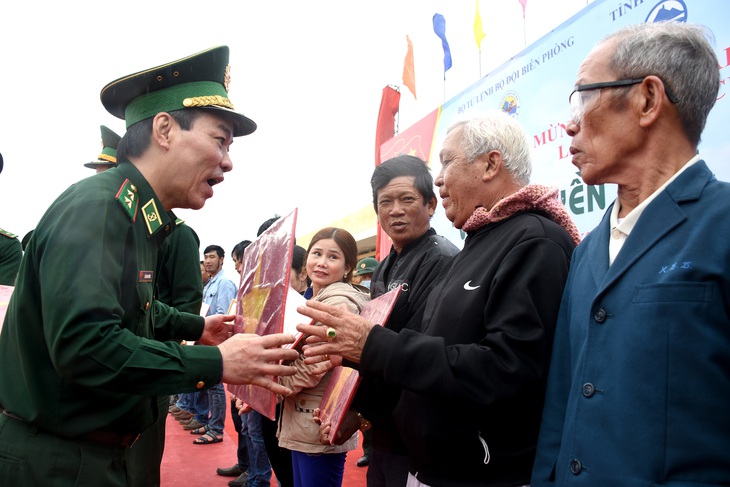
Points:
(242, 451)
(279, 458)
(25, 454)
(143, 459)
(367, 442)
(387, 469)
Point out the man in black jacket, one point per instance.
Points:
(473, 376)
(404, 199)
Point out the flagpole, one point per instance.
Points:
(524, 29)
(524, 22)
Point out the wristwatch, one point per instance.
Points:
(364, 423)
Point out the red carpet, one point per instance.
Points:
(194, 465)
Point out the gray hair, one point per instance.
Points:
(681, 55)
(495, 130)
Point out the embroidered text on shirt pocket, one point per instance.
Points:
(673, 292)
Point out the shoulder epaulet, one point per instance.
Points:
(127, 197)
(5, 233)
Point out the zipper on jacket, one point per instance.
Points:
(487, 456)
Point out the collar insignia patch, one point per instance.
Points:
(5, 233)
(127, 197)
(151, 216)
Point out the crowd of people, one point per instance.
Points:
(528, 357)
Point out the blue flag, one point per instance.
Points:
(439, 27)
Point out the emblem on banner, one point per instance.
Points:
(510, 104)
(668, 10)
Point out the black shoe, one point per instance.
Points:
(233, 471)
(364, 461)
(241, 481)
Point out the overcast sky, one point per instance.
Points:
(309, 73)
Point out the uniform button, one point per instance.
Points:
(600, 316)
(167, 228)
(588, 389)
(575, 466)
(200, 385)
(615, 233)
(147, 306)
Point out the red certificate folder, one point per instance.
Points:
(263, 297)
(344, 380)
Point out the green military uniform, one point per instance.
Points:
(178, 281)
(11, 253)
(81, 361)
(88, 274)
(178, 285)
(85, 291)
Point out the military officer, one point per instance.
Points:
(178, 286)
(108, 157)
(10, 252)
(81, 350)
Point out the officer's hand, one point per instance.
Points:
(252, 359)
(217, 329)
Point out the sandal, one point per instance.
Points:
(200, 431)
(207, 438)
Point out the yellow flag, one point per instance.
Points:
(478, 31)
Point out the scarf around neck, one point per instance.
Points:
(544, 199)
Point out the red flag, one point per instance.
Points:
(524, 4)
(385, 129)
(409, 71)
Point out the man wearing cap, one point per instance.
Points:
(10, 252)
(178, 286)
(364, 269)
(83, 330)
(108, 157)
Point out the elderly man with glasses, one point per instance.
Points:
(639, 386)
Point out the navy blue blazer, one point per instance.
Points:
(639, 385)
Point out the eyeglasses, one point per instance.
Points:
(582, 95)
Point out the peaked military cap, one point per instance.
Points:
(197, 81)
(109, 143)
